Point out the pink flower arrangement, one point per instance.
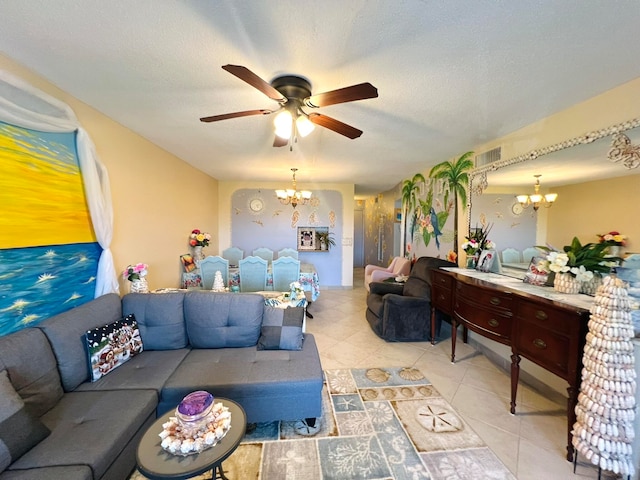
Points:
(134, 272)
(613, 238)
(199, 239)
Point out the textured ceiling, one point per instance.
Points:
(450, 74)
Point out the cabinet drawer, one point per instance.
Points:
(499, 302)
(549, 318)
(547, 348)
(442, 299)
(441, 280)
(491, 323)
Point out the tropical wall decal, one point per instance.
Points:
(427, 206)
(48, 250)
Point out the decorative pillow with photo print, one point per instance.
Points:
(110, 346)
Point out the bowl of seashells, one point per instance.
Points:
(198, 424)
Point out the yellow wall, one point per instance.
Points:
(588, 209)
(157, 198)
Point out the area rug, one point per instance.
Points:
(378, 423)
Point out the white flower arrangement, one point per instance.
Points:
(296, 289)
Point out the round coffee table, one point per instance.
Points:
(156, 463)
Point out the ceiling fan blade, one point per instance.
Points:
(280, 142)
(226, 116)
(246, 75)
(361, 91)
(335, 125)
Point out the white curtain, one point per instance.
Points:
(25, 106)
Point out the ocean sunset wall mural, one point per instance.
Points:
(48, 250)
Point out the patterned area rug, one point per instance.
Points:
(378, 424)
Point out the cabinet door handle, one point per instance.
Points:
(539, 343)
(540, 315)
(493, 322)
(494, 301)
(441, 297)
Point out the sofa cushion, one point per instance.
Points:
(281, 328)
(31, 365)
(269, 384)
(148, 370)
(65, 332)
(218, 320)
(71, 472)
(19, 430)
(112, 345)
(160, 319)
(90, 428)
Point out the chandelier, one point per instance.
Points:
(537, 198)
(292, 195)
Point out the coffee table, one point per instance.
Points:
(156, 463)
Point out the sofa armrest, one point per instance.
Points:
(380, 275)
(383, 288)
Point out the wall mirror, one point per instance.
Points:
(571, 162)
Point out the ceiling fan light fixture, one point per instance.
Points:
(304, 125)
(283, 122)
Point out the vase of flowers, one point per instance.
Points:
(615, 241)
(576, 264)
(198, 240)
(296, 291)
(475, 242)
(137, 276)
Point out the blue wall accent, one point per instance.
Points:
(276, 226)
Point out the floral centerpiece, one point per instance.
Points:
(577, 263)
(199, 239)
(613, 238)
(297, 292)
(136, 275)
(135, 272)
(476, 241)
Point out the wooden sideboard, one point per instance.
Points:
(549, 333)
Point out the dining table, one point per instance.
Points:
(308, 279)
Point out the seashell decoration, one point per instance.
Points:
(377, 375)
(603, 431)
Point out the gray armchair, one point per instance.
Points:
(402, 313)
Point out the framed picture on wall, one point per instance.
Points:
(306, 238)
(398, 214)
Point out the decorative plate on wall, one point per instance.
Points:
(256, 205)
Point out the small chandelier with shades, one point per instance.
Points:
(292, 195)
(537, 198)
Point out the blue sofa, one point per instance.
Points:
(192, 341)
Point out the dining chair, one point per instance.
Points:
(511, 255)
(288, 252)
(253, 274)
(234, 255)
(208, 268)
(263, 252)
(285, 270)
(529, 253)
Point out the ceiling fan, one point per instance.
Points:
(293, 92)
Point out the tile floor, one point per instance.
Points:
(532, 443)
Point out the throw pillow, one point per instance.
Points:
(112, 345)
(19, 431)
(281, 328)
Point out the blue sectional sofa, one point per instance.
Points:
(191, 340)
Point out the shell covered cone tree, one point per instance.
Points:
(218, 282)
(605, 411)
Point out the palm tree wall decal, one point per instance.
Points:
(410, 202)
(455, 175)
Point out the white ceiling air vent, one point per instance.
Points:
(488, 157)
